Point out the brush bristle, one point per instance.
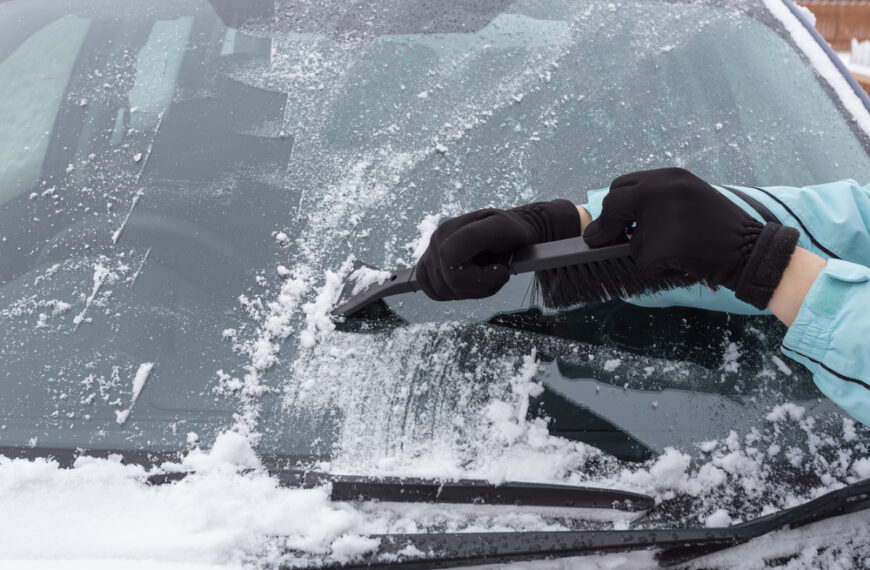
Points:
(599, 281)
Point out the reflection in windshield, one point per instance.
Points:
(32, 83)
(201, 187)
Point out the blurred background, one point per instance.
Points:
(845, 24)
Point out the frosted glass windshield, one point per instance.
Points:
(182, 183)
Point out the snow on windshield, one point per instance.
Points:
(434, 399)
(390, 135)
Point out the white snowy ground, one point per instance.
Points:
(854, 66)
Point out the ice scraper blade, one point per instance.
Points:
(354, 298)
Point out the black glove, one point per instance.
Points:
(685, 226)
(468, 255)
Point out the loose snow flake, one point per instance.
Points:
(138, 383)
(117, 234)
(783, 367)
(100, 275)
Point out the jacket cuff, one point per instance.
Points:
(566, 219)
(766, 264)
(811, 332)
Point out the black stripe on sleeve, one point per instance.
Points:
(834, 372)
(803, 227)
(762, 210)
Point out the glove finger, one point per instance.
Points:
(609, 227)
(476, 282)
(625, 181)
(653, 266)
(636, 244)
(619, 211)
(493, 234)
(430, 281)
(640, 252)
(450, 225)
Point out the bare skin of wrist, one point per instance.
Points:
(796, 281)
(585, 218)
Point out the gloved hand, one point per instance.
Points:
(685, 226)
(468, 255)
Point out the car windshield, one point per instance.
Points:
(183, 183)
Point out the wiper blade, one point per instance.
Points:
(469, 491)
(474, 491)
(444, 550)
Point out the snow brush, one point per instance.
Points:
(567, 273)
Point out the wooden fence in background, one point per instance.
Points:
(839, 22)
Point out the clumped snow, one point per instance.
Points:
(442, 400)
(138, 383)
(719, 518)
(364, 277)
(102, 510)
(101, 275)
(426, 228)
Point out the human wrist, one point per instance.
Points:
(585, 218)
(797, 279)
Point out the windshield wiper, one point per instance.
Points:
(471, 491)
(443, 550)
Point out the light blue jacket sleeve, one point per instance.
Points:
(831, 334)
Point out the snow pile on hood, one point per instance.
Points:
(103, 510)
(229, 513)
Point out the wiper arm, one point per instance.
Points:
(443, 550)
(848, 499)
(471, 491)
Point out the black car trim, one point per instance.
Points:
(806, 231)
(462, 491)
(444, 550)
(829, 369)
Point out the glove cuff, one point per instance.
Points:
(554, 220)
(766, 263)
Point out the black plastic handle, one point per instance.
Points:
(538, 257)
(563, 253)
